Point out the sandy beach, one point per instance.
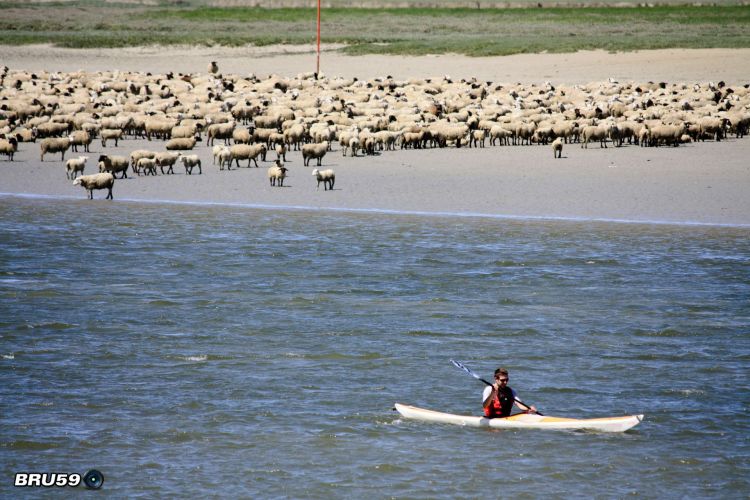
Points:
(694, 183)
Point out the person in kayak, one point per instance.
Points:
(498, 399)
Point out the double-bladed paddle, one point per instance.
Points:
(467, 370)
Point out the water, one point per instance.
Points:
(191, 350)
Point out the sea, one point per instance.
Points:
(198, 350)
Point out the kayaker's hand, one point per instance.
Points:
(532, 409)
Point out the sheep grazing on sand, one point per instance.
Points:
(96, 181)
(8, 147)
(114, 164)
(327, 177)
(277, 174)
(557, 146)
(190, 162)
(54, 145)
(75, 166)
(316, 151)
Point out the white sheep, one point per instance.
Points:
(166, 159)
(327, 177)
(280, 151)
(96, 181)
(225, 158)
(190, 162)
(316, 151)
(277, 174)
(180, 144)
(249, 152)
(110, 134)
(75, 166)
(557, 147)
(145, 165)
(80, 138)
(54, 145)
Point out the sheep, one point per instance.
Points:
(80, 138)
(316, 151)
(327, 177)
(54, 145)
(75, 166)
(213, 67)
(242, 136)
(191, 161)
(594, 133)
(249, 152)
(280, 151)
(114, 164)
(181, 144)
(145, 165)
(137, 155)
(277, 173)
(166, 160)
(220, 131)
(8, 147)
(96, 181)
(110, 134)
(557, 147)
(225, 158)
(477, 138)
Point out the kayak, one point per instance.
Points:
(523, 420)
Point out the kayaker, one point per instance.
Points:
(498, 398)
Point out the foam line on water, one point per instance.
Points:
(387, 211)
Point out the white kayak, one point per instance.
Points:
(523, 421)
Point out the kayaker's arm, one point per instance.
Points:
(523, 406)
(491, 397)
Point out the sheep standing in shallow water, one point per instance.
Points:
(327, 177)
(96, 181)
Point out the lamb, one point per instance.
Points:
(145, 165)
(96, 181)
(327, 177)
(8, 147)
(110, 134)
(75, 166)
(225, 158)
(190, 162)
(277, 173)
(316, 151)
(557, 147)
(249, 152)
(114, 164)
(137, 155)
(54, 145)
(80, 138)
(181, 144)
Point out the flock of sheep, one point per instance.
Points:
(243, 118)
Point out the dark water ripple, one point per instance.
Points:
(232, 352)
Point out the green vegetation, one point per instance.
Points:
(414, 30)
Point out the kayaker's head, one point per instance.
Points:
(501, 377)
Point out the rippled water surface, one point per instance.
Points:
(189, 350)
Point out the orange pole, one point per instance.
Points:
(317, 66)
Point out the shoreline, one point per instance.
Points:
(381, 211)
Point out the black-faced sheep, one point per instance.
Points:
(316, 151)
(114, 164)
(75, 166)
(96, 181)
(8, 147)
(327, 177)
(277, 174)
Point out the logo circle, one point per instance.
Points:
(93, 479)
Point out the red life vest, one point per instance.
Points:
(501, 405)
